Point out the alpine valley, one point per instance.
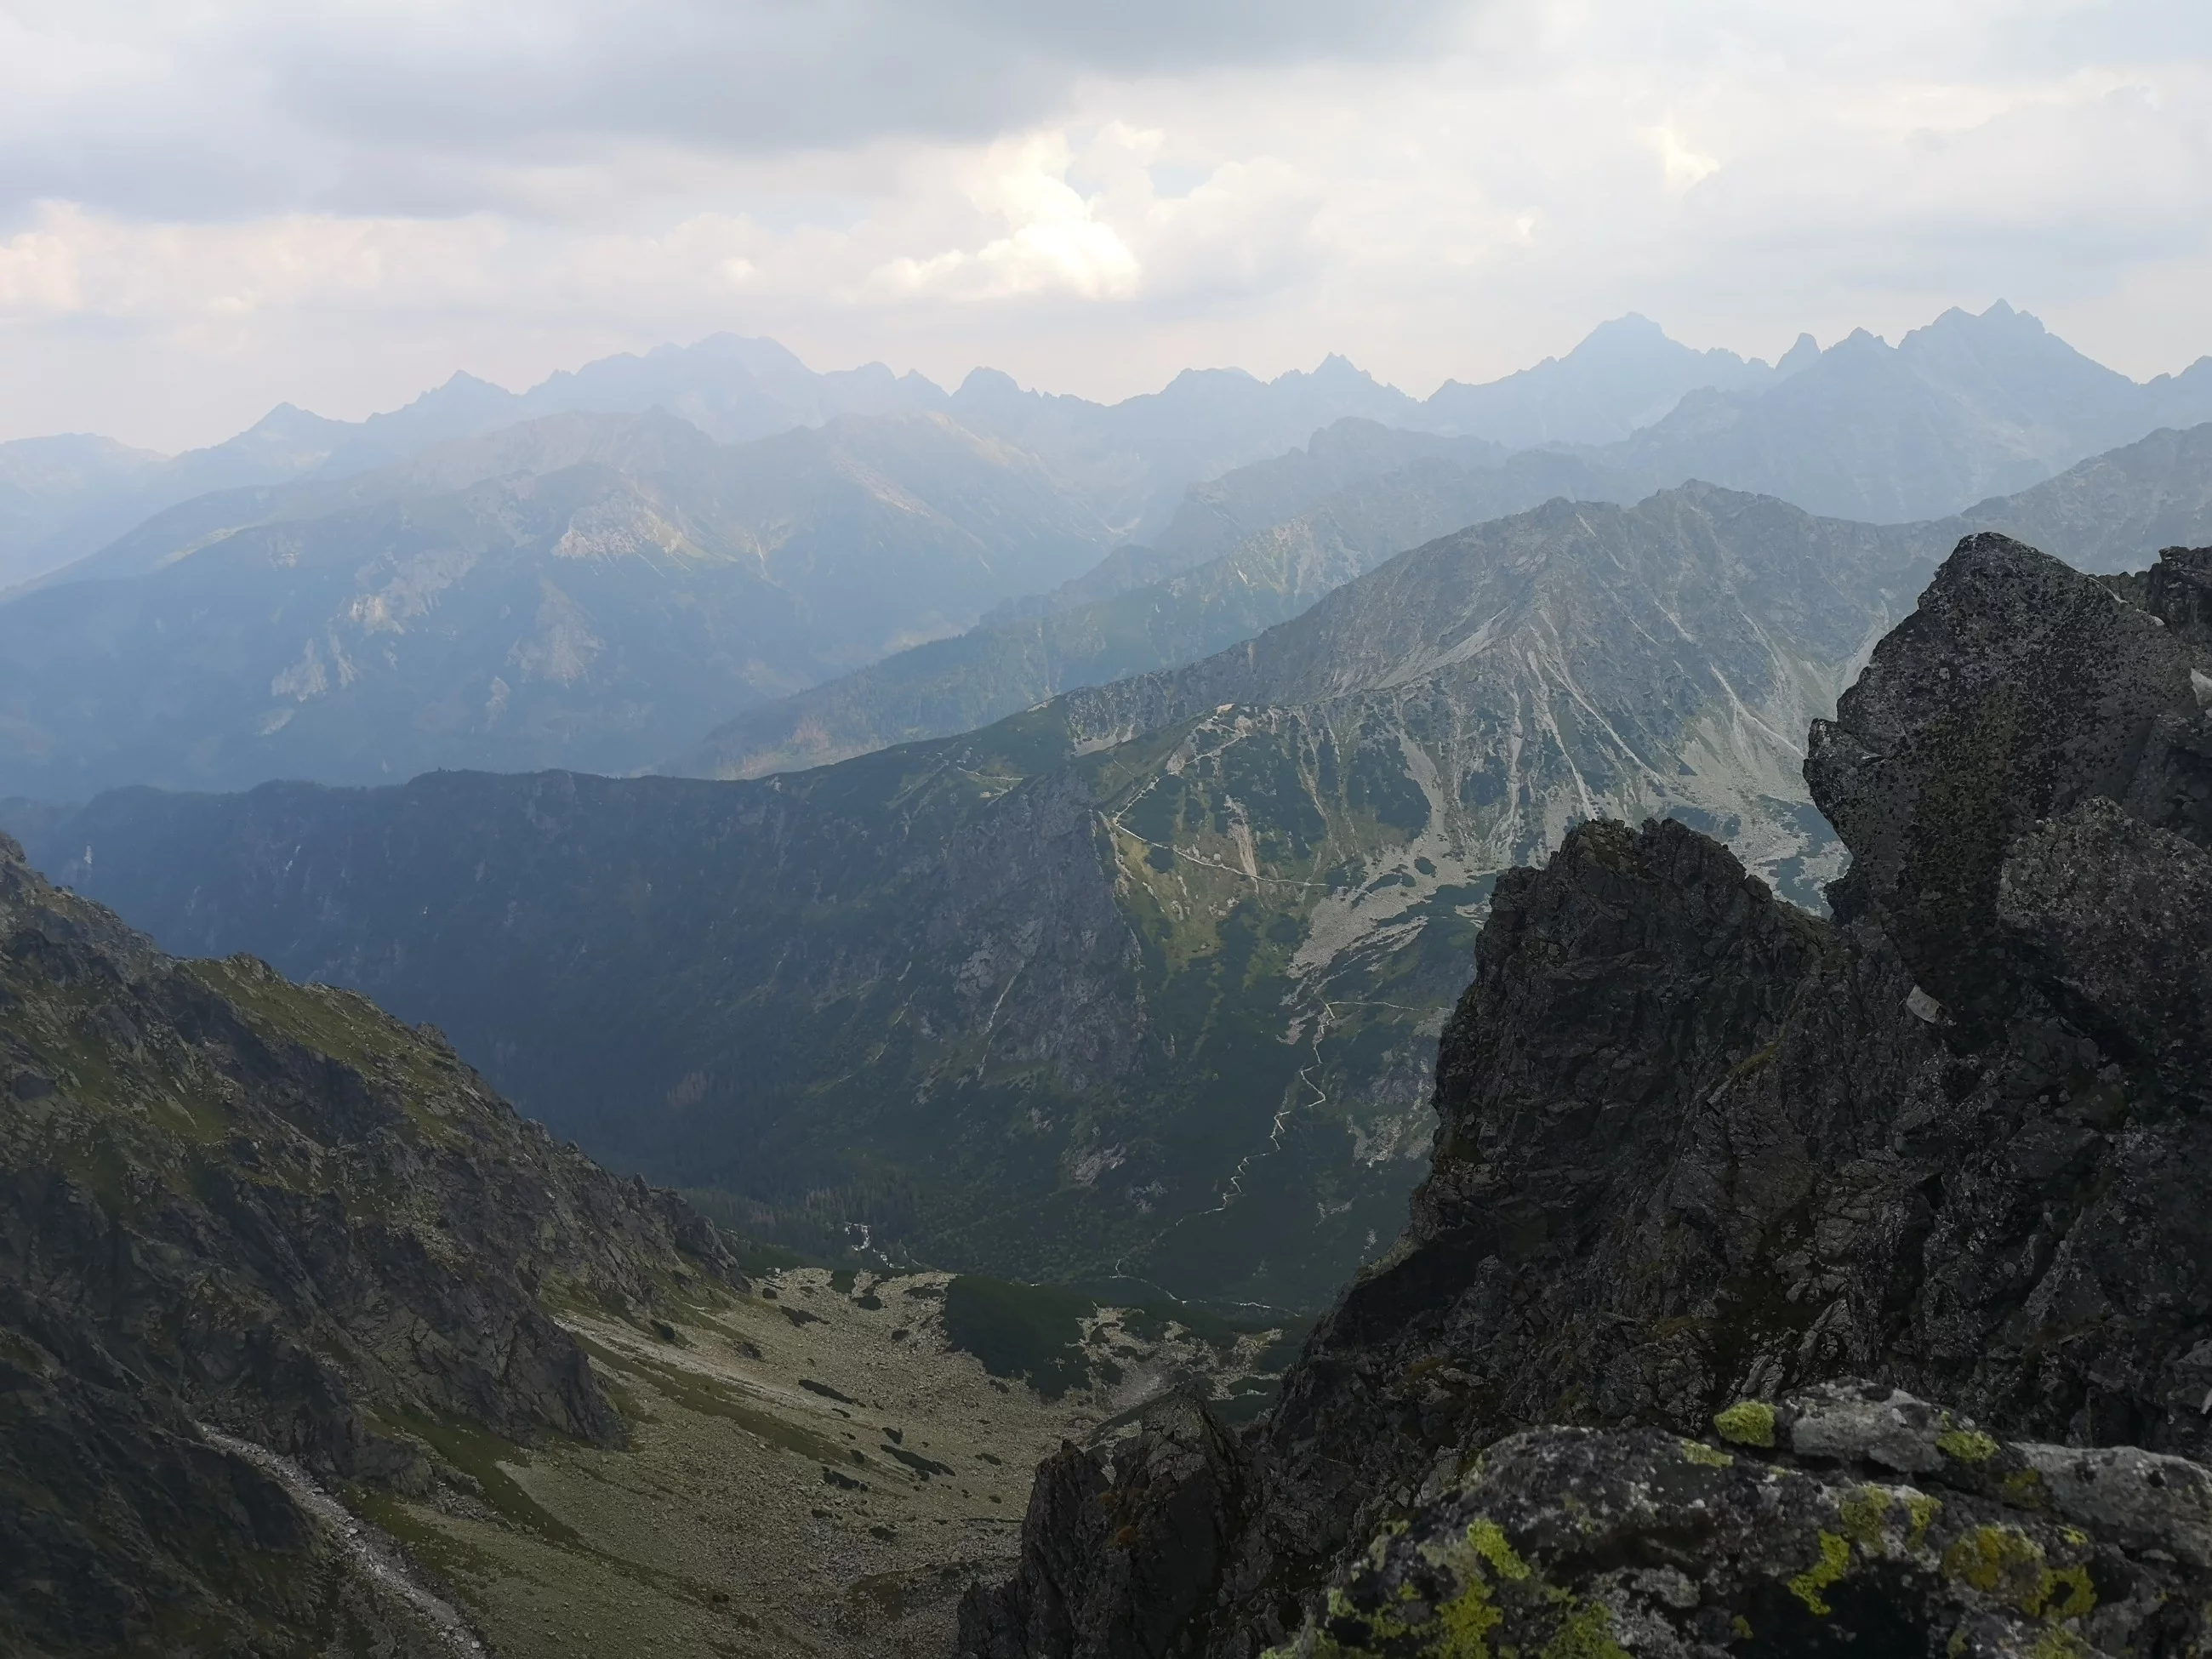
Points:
(1143, 984)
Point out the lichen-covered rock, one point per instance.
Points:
(1589, 1544)
(1699, 1153)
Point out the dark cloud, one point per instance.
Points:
(411, 109)
(773, 74)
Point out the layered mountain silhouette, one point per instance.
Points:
(1626, 375)
(62, 498)
(2105, 514)
(1020, 656)
(66, 496)
(1141, 980)
(1969, 405)
(604, 591)
(583, 590)
(1966, 407)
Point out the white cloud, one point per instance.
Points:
(1683, 165)
(1054, 242)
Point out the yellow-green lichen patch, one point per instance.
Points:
(1998, 1561)
(1465, 1621)
(1585, 1633)
(1967, 1445)
(1748, 1422)
(1697, 1451)
(1477, 1565)
(1488, 1540)
(1861, 1516)
(1835, 1561)
(2065, 1593)
(1923, 1509)
(2024, 1489)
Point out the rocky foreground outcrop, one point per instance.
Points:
(242, 1216)
(1902, 1524)
(1702, 1157)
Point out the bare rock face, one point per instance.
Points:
(1697, 1148)
(1116, 1561)
(2016, 691)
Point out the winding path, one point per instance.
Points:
(360, 1543)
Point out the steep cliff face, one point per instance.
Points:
(1697, 1147)
(238, 1217)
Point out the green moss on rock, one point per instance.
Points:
(1748, 1422)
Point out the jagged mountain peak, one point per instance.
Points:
(1229, 374)
(1631, 330)
(1625, 374)
(462, 385)
(984, 382)
(1334, 370)
(1803, 352)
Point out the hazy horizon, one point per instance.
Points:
(203, 215)
(952, 382)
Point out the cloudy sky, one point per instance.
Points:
(207, 206)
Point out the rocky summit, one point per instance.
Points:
(257, 1240)
(1780, 1284)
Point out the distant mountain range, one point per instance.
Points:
(691, 580)
(1965, 408)
(587, 591)
(1022, 655)
(1143, 981)
(2106, 513)
(1991, 396)
(62, 498)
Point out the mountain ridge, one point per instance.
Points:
(238, 1211)
(1174, 910)
(2095, 513)
(560, 610)
(1134, 459)
(1885, 1203)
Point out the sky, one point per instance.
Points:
(210, 206)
